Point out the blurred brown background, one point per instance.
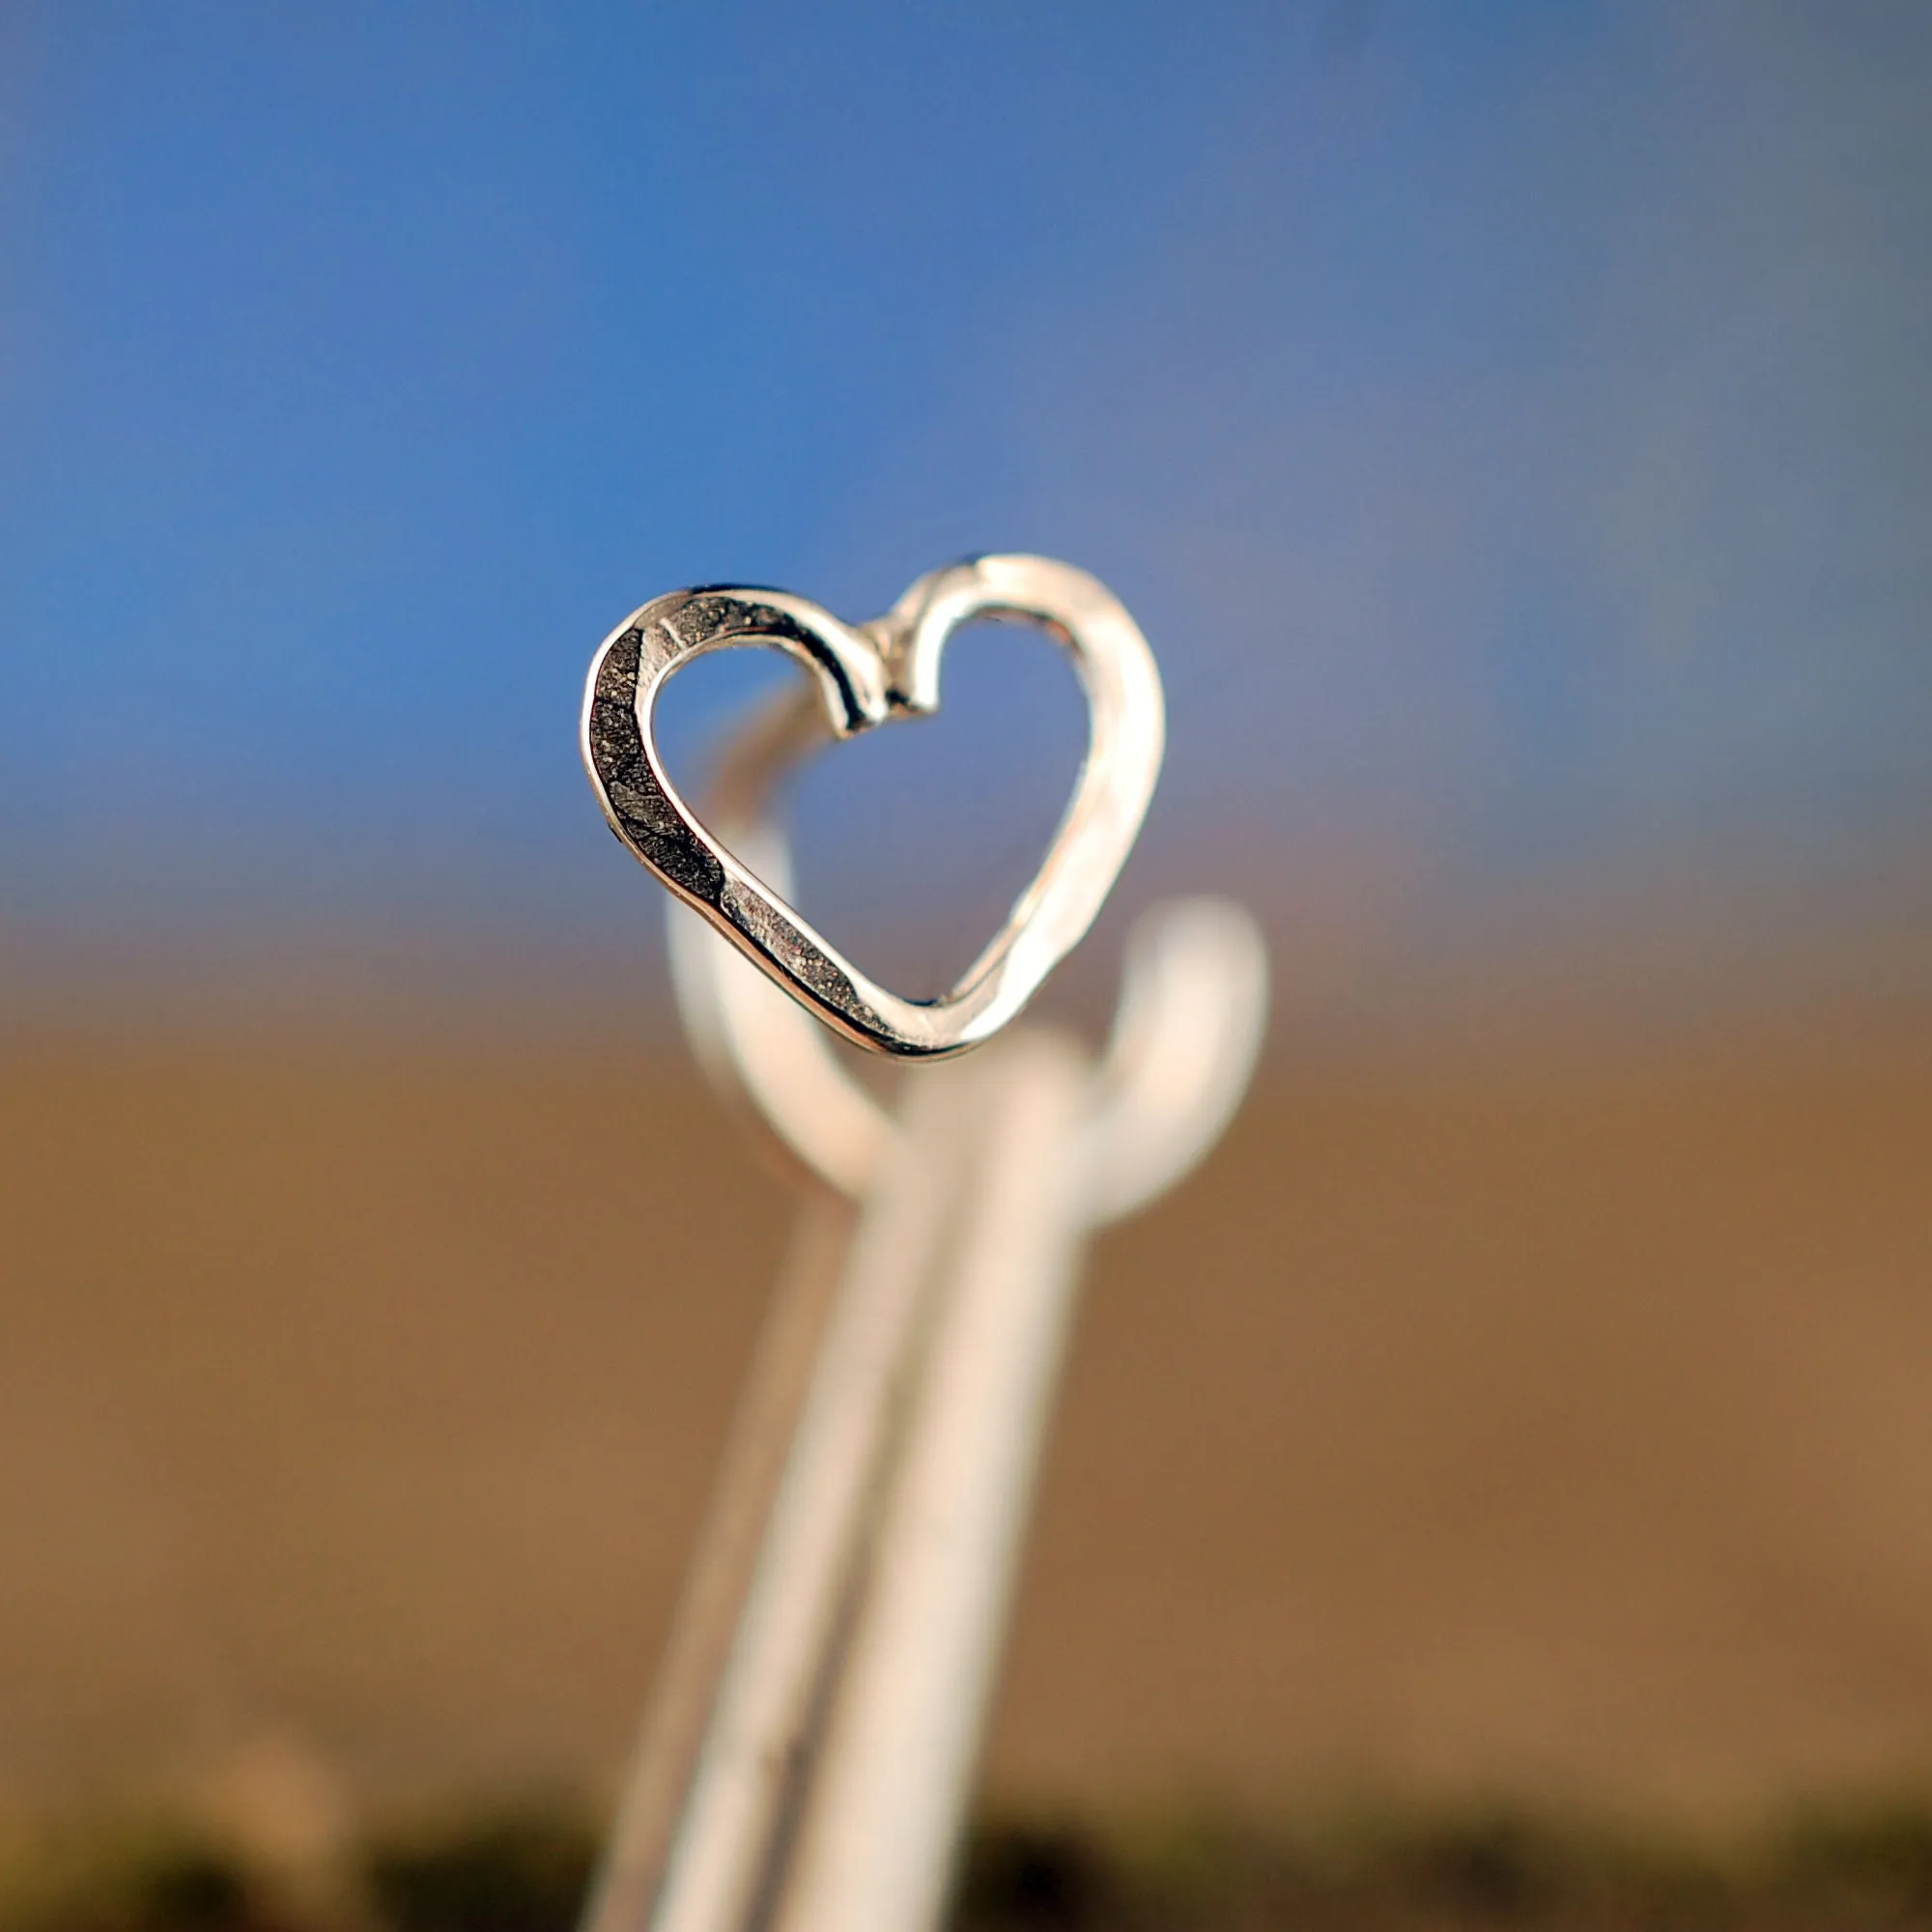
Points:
(1547, 1420)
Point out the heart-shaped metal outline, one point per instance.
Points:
(867, 675)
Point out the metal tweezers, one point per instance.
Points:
(805, 1761)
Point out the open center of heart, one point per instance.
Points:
(911, 842)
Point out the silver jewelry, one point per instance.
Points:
(868, 675)
(808, 1752)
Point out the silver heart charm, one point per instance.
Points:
(868, 675)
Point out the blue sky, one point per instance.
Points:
(1511, 425)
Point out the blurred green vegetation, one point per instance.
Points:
(1843, 1868)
